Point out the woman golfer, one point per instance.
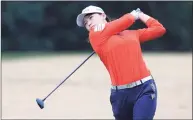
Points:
(133, 92)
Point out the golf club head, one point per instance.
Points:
(40, 103)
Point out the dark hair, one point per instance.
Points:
(107, 17)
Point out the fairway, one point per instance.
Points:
(85, 95)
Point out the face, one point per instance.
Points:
(91, 20)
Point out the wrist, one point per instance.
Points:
(141, 14)
(143, 17)
(134, 14)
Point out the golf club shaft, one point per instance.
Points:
(69, 75)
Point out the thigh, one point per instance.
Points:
(145, 106)
(121, 106)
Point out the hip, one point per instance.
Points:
(132, 94)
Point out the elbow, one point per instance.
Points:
(161, 30)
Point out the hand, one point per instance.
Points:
(143, 17)
(135, 14)
(138, 10)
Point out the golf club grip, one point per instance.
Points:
(69, 75)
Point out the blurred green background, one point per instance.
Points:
(51, 25)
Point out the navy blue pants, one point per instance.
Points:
(137, 103)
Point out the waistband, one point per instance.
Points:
(133, 84)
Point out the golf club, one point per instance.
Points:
(40, 102)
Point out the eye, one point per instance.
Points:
(91, 17)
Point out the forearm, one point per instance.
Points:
(119, 25)
(154, 28)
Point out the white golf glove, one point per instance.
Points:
(135, 13)
(138, 10)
